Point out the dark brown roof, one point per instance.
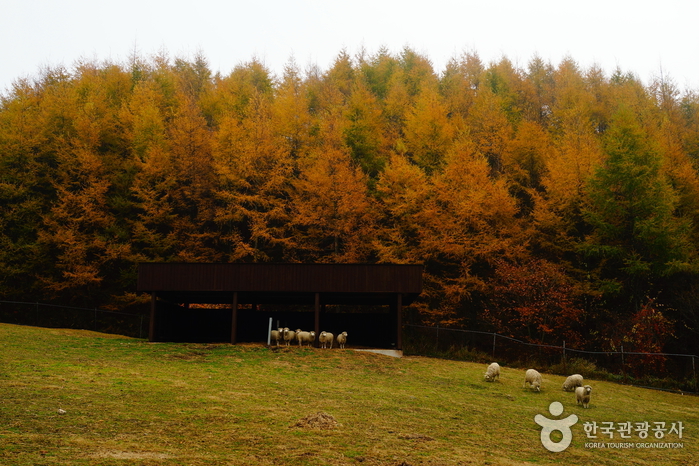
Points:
(288, 283)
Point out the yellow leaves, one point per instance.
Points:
(461, 212)
(571, 164)
(428, 131)
(402, 187)
(146, 128)
(470, 200)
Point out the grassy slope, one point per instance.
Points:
(132, 402)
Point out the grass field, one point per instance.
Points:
(127, 401)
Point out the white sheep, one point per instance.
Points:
(573, 381)
(305, 337)
(341, 340)
(276, 335)
(533, 378)
(325, 338)
(493, 372)
(582, 394)
(289, 335)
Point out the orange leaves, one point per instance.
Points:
(474, 213)
(333, 213)
(481, 173)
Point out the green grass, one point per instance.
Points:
(128, 402)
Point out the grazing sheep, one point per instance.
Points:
(573, 381)
(341, 340)
(533, 378)
(582, 394)
(289, 335)
(305, 337)
(277, 335)
(493, 372)
(325, 338)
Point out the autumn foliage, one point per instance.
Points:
(547, 203)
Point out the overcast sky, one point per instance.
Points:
(638, 36)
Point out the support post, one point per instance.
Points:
(317, 318)
(151, 324)
(234, 318)
(399, 321)
(269, 333)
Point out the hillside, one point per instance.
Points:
(546, 201)
(126, 400)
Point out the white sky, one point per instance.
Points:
(639, 36)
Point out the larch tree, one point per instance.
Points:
(489, 128)
(525, 162)
(469, 219)
(428, 132)
(333, 214)
(253, 167)
(189, 140)
(402, 190)
(460, 83)
(364, 128)
(81, 231)
(25, 191)
(290, 109)
(152, 226)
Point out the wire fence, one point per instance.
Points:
(57, 316)
(657, 370)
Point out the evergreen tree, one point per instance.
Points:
(636, 239)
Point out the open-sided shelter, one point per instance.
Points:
(174, 287)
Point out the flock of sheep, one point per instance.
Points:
(325, 339)
(533, 378)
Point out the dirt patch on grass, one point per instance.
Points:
(318, 420)
(419, 437)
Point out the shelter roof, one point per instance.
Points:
(285, 283)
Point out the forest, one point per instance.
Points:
(546, 202)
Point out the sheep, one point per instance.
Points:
(582, 394)
(533, 378)
(341, 340)
(289, 335)
(573, 381)
(325, 338)
(277, 335)
(305, 337)
(493, 372)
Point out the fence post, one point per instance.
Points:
(436, 345)
(623, 364)
(95, 321)
(37, 315)
(494, 335)
(140, 328)
(564, 357)
(694, 373)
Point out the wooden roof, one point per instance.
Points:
(284, 283)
